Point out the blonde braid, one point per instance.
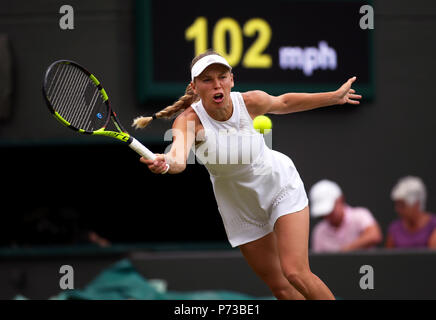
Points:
(171, 111)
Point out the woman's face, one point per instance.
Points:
(336, 216)
(406, 211)
(214, 85)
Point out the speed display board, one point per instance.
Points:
(277, 46)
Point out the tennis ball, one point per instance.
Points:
(262, 123)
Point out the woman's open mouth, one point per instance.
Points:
(218, 98)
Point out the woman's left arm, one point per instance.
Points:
(432, 240)
(259, 102)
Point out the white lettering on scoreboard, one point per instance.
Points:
(308, 59)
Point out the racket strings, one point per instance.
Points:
(72, 99)
(68, 98)
(76, 98)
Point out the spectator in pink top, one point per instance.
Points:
(415, 228)
(343, 228)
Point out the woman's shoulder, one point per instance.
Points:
(253, 97)
(255, 101)
(188, 116)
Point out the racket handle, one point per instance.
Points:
(143, 151)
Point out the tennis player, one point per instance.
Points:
(262, 202)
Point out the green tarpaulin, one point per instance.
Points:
(122, 281)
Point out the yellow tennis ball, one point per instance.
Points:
(262, 123)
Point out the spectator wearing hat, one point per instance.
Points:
(343, 228)
(415, 228)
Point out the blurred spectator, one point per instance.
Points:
(415, 227)
(55, 225)
(343, 228)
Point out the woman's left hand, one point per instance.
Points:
(345, 94)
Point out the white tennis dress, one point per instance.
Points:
(253, 184)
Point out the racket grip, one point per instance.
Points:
(143, 151)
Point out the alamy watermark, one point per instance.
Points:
(223, 147)
(367, 20)
(367, 280)
(67, 280)
(66, 22)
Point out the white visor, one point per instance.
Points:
(205, 62)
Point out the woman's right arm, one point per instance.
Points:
(183, 130)
(389, 242)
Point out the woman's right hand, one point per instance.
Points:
(158, 165)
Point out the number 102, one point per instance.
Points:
(254, 56)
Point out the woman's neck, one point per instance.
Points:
(418, 222)
(220, 113)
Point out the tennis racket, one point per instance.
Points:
(77, 99)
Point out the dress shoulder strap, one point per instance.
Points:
(201, 113)
(245, 121)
